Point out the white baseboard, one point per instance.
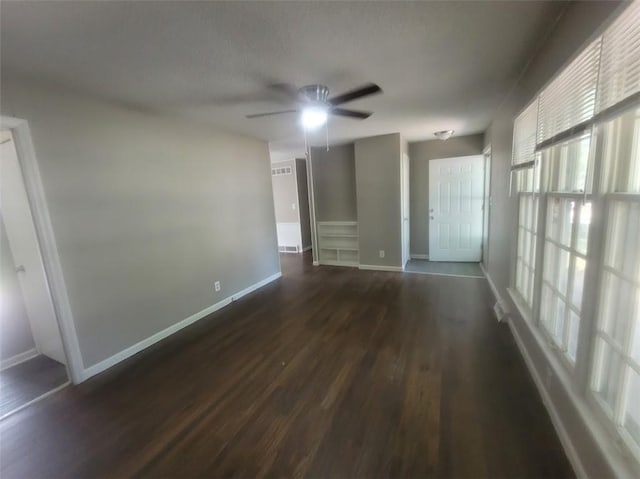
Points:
(18, 358)
(503, 304)
(253, 287)
(558, 425)
(375, 267)
(419, 256)
(316, 263)
(160, 335)
(338, 263)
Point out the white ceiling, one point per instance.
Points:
(442, 65)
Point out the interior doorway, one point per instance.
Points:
(456, 196)
(32, 355)
(291, 205)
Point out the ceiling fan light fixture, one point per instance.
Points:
(444, 134)
(314, 117)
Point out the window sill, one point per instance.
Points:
(620, 461)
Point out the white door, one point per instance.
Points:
(405, 209)
(455, 208)
(25, 248)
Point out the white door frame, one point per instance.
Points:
(486, 206)
(405, 200)
(48, 249)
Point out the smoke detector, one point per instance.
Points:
(444, 134)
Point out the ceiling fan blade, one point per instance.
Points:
(351, 113)
(258, 115)
(365, 90)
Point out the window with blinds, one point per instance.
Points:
(620, 60)
(570, 100)
(524, 135)
(576, 269)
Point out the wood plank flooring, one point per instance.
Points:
(29, 380)
(328, 372)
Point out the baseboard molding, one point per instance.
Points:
(18, 358)
(558, 425)
(419, 256)
(375, 267)
(338, 263)
(160, 335)
(316, 263)
(503, 304)
(253, 287)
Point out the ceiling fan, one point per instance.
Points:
(315, 105)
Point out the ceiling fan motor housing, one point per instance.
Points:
(315, 93)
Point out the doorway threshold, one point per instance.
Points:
(28, 382)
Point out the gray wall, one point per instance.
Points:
(147, 210)
(378, 193)
(303, 201)
(15, 331)
(420, 153)
(574, 28)
(334, 183)
(285, 194)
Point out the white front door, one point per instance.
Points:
(404, 186)
(25, 248)
(455, 208)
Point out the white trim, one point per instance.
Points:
(623, 466)
(558, 425)
(18, 358)
(255, 286)
(160, 335)
(39, 398)
(316, 263)
(494, 289)
(375, 267)
(418, 256)
(46, 238)
(338, 263)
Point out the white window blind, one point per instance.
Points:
(620, 63)
(570, 99)
(524, 135)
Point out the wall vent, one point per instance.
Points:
(285, 170)
(288, 249)
(499, 310)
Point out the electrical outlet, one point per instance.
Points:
(216, 285)
(382, 253)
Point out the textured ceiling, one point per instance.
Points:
(441, 64)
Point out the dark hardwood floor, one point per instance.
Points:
(29, 380)
(328, 372)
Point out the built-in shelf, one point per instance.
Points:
(338, 243)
